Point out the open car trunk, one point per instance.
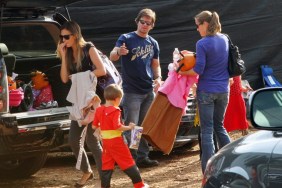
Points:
(34, 126)
(33, 120)
(30, 50)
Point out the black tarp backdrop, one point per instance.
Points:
(254, 25)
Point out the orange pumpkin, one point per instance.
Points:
(187, 61)
(11, 83)
(39, 80)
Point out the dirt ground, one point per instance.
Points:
(180, 169)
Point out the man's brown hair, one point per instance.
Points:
(146, 12)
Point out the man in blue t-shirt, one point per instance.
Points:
(141, 76)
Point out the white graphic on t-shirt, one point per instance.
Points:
(141, 51)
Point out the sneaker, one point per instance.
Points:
(146, 185)
(147, 163)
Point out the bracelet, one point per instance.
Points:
(118, 53)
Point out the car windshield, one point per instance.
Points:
(30, 40)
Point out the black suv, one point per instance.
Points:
(29, 33)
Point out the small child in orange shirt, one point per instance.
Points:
(107, 122)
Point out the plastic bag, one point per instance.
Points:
(136, 134)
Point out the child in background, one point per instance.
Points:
(235, 117)
(107, 121)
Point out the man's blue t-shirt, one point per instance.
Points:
(211, 64)
(137, 74)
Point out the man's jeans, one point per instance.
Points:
(135, 107)
(212, 108)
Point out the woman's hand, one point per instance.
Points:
(190, 72)
(97, 134)
(64, 70)
(62, 49)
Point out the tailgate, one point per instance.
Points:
(34, 121)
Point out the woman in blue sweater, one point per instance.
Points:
(212, 88)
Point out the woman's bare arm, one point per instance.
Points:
(97, 61)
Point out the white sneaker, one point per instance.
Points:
(146, 185)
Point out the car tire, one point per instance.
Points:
(22, 168)
(191, 144)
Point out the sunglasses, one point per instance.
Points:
(144, 22)
(67, 37)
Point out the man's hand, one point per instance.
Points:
(122, 50)
(157, 83)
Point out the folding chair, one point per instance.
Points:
(268, 78)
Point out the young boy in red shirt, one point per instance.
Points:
(107, 121)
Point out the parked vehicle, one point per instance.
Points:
(253, 161)
(29, 36)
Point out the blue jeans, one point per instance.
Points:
(212, 107)
(135, 107)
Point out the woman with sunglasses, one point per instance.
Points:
(213, 84)
(70, 50)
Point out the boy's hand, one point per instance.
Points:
(131, 125)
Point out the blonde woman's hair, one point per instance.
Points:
(112, 92)
(75, 30)
(212, 19)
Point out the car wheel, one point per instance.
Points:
(22, 168)
(191, 144)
